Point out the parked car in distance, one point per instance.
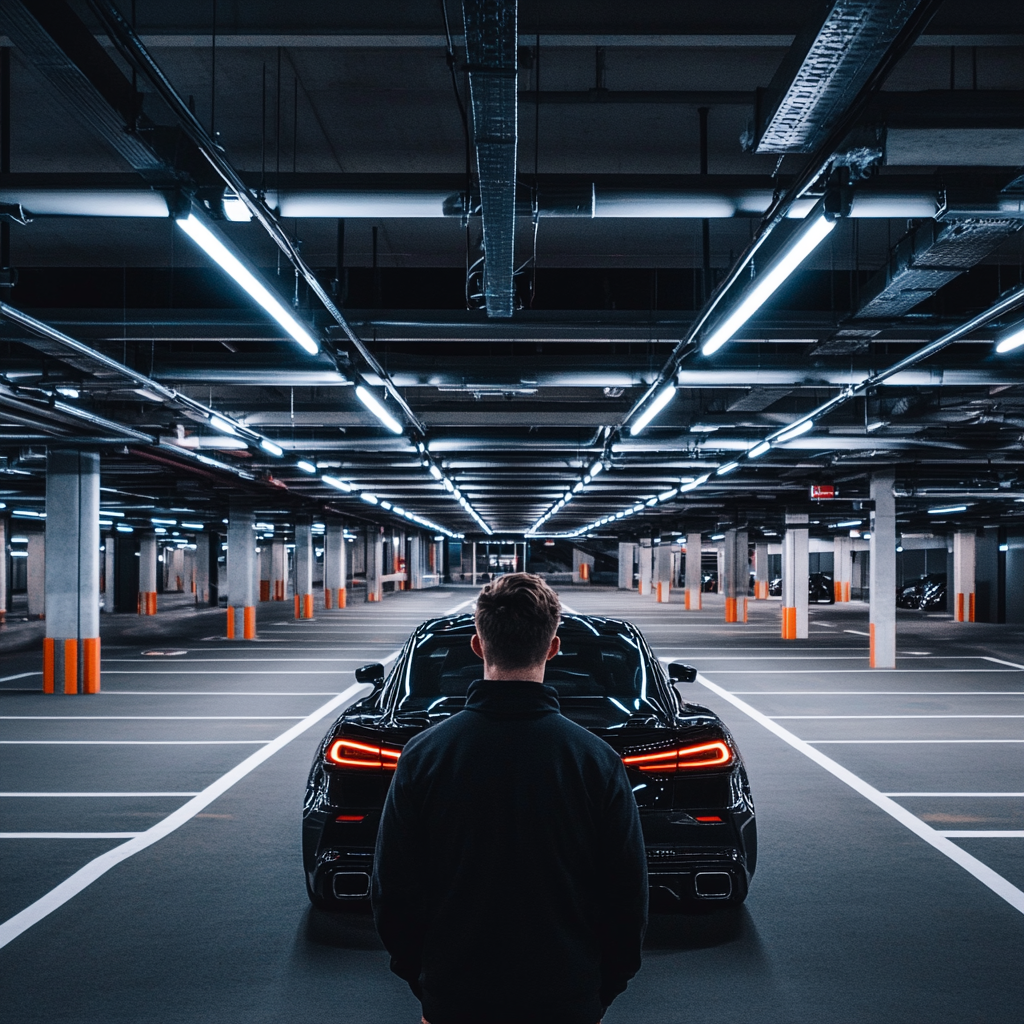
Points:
(820, 588)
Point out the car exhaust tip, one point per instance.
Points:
(350, 885)
(712, 885)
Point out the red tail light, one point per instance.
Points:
(353, 754)
(716, 754)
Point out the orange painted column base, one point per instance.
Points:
(307, 606)
(71, 666)
(744, 609)
(585, 573)
(789, 623)
(664, 589)
(837, 591)
(730, 609)
(264, 590)
(48, 664)
(692, 600)
(327, 597)
(147, 602)
(964, 608)
(371, 596)
(91, 665)
(846, 590)
(342, 597)
(871, 643)
(278, 590)
(760, 590)
(249, 622)
(231, 623)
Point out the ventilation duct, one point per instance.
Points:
(491, 56)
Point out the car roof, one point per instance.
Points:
(572, 623)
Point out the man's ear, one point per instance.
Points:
(554, 647)
(476, 646)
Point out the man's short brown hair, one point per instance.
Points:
(516, 618)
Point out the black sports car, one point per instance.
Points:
(690, 784)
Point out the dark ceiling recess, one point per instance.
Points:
(340, 154)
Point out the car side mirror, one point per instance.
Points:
(373, 674)
(680, 673)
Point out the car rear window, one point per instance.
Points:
(605, 666)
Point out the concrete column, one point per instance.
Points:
(761, 571)
(414, 568)
(109, 574)
(334, 566)
(735, 574)
(582, 565)
(278, 570)
(266, 570)
(842, 568)
(883, 571)
(474, 566)
(241, 574)
(644, 561)
(189, 557)
(148, 568)
(375, 563)
(303, 569)
(795, 574)
(202, 561)
(71, 648)
(662, 558)
(36, 575)
(963, 575)
(627, 555)
(3, 569)
(692, 594)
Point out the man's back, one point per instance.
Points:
(510, 876)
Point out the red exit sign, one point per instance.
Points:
(822, 492)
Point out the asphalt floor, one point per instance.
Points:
(149, 835)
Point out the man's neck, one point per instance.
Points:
(533, 674)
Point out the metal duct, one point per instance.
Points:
(931, 256)
(816, 377)
(492, 62)
(829, 62)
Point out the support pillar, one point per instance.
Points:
(474, 566)
(375, 563)
(335, 595)
(414, 568)
(842, 568)
(761, 576)
(795, 573)
(735, 573)
(241, 575)
(266, 571)
(3, 569)
(692, 593)
(627, 556)
(963, 575)
(148, 568)
(303, 569)
(71, 648)
(202, 561)
(662, 556)
(582, 564)
(278, 570)
(644, 560)
(36, 575)
(883, 571)
(109, 573)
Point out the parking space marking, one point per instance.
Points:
(20, 675)
(856, 632)
(150, 718)
(881, 693)
(196, 661)
(1006, 833)
(904, 742)
(982, 872)
(69, 835)
(956, 794)
(246, 672)
(861, 671)
(999, 661)
(829, 718)
(194, 792)
(217, 693)
(99, 866)
(126, 743)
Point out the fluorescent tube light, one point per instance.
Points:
(435, 472)
(269, 446)
(369, 498)
(668, 495)
(1006, 342)
(848, 523)
(191, 526)
(68, 392)
(577, 487)
(763, 287)
(234, 209)
(378, 410)
(342, 485)
(121, 528)
(219, 251)
(795, 431)
(702, 428)
(107, 513)
(660, 400)
(947, 508)
(758, 450)
(727, 468)
(223, 425)
(718, 536)
(306, 467)
(164, 522)
(596, 468)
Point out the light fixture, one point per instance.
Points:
(378, 410)
(369, 498)
(875, 425)
(121, 528)
(577, 487)
(702, 428)
(341, 485)
(105, 512)
(1010, 339)
(435, 472)
(800, 246)
(234, 209)
(596, 468)
(164, 522)
(68, 392)
(945, 509)
(758, 450)
(727, 468)
(718, 536)
(847, 523)
(306, 467)
(271, 448)
(795, 431)
(191, 526)
(660, 400)
(223, 425)
(668, 495)
(219, 249)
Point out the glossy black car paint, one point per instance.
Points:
(689, 861)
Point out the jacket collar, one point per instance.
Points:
(511, 699)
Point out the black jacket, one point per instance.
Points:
(510, 878)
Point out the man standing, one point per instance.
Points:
(510, 879)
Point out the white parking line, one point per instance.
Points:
(824, 670)
(246, 672)
(818, 743)
(196, 661)
(829, 718)
(127, 743)
(982, 872)
(20, 675)
(956, 794)
(999, 661)
(881, 693)
(1006, 833)
(856, 632)
(216, 693)
(69, 835)
(150, 718)
(193, 792)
